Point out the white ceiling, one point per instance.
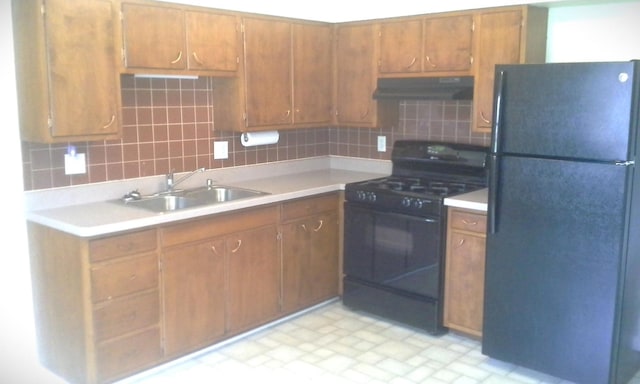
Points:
(349, 10)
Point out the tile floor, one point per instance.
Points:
(332, 344)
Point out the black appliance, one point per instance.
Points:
(394, 230)
(562, 283)
(425, 88)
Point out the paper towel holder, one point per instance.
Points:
(250, 139)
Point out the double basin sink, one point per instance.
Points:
(190, 198)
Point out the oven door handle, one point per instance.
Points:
(410, 217)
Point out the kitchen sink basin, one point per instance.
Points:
(190, 198)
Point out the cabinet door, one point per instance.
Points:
(312, 70)
(498, 42)
(464, 283)
(322, 277)
(356, 78)
(254, 278)
(194, 295)
(154, 37)
(84, 83)
(447, 43)
(268, 72)
(212, 41)
(400, 47)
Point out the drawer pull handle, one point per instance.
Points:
(431, 63)
(214, 250)
(237, 247)
(460, 243)
(466, 222)
(304, 227)
(177, 58)
(319, 226)
(197, 59)
(411, 63)
(113, 118)
(484, 119)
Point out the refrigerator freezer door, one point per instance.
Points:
(579, 110)
(552, 266)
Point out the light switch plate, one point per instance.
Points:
(382, 143)
(75, 164)
(220, 150)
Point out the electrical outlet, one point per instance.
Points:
(74, 164)
(382, 143)
(220, 150)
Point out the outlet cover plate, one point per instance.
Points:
(75, 164)
(220, 150)
(382, 143)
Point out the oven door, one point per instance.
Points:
(394, 250)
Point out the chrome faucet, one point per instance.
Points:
(171, 183)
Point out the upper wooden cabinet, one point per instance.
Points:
(286, 78)
(429, 45)
(161, 38)
(356, 78)
(268, 72)
(514, 35)
(66, 70)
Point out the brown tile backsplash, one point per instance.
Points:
(168, 126)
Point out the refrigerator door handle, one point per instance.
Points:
(625, 163)
(492, 198)
(497, 112)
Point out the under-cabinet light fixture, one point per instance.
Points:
(162, 76)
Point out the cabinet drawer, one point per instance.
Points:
(125, 277)
(115, 358)
(468, 221)
(122, 245)
(309, 206)
(118, 317)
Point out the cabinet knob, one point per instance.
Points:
(177, 58)
(197, 59)
(319, 226)
(413, 61)
(430, 62)
(113, 118)
(237, 247)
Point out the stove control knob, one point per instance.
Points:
(371, 196)
(360, 195)
(417, 203)
(406, 202)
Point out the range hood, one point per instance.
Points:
(425, 88)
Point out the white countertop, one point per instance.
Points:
(101, 215)
(472, 200)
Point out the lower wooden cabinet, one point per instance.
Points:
(310, 253)
(464, 271)
(112, 306)
(97, 303)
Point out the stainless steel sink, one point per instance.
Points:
(190, 198)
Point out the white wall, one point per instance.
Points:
(605, 32)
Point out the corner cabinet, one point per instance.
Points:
(356, 79)
(464, 271)
(438, 45)
(66, 70)
(97, 303)
(511, 35)
(310, 254)
(171, 40)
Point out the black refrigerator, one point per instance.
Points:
(562, 283)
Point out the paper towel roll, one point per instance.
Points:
(250, 139)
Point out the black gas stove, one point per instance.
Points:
(423, 174)
(395, 226)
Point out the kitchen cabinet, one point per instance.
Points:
(426, 46)
(221, 276)
(464, 271)
(268, 69)
(356, 78)
(66, 70)
(312, 71)
(166, 39)
(310, 254)
(97, 303)
(286, 79)
(512, 35)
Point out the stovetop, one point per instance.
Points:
(423, 174)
